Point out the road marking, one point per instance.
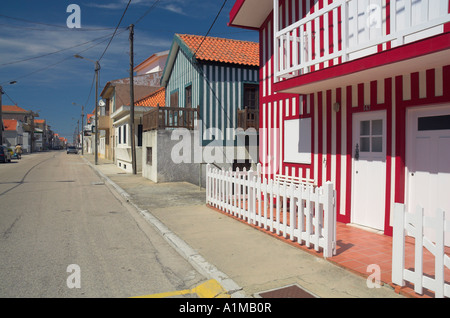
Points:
(209, 289)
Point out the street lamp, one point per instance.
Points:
(1, 112)
(82, 128)
(97, 69)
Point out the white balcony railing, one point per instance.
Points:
(349, 29)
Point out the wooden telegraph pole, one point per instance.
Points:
(132, 128)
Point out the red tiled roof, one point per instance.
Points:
(155, 98)
(10, 124)
(39, 121)
(222, 50)
(12, 108)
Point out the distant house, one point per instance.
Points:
(211, 86)
(26, 118)
(115, 94)
(46, 133)
(153, 65)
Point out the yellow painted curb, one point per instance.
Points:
(209, 289)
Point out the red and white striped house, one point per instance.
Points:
(356, 92)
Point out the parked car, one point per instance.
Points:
(72, 150)
(5, 155)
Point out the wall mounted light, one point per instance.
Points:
(336, 107)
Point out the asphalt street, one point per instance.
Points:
(65, 233)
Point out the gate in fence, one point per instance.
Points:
(300, 212)
(414, 224)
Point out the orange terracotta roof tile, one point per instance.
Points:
(10, 124)
(12, 108)
(155, 98)
(222, 50)
(88, 117)
(39, 121)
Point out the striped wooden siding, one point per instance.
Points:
(216, 89)
(184, 74)
(223, 96)
(332, 131)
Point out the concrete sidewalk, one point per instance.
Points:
(245, 261)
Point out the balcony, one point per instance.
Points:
(170, 117)
(248, 118)
(347, 30)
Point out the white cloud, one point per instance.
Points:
(174, 8)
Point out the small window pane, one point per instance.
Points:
(365, 128)
(377, 127)
(365, 144)
(377, 144)
(434, 123)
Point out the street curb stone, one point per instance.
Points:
(184, 249)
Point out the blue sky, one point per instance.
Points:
(49, 82)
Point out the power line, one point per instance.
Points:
(9, 97)
(148, 11)
(90, 91)
(210, 28)
(55, 52)
(60, 61)
(53, 25)
(112, 37)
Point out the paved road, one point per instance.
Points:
(54, 212)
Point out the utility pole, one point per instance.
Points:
(97, 69)
(82, 129)
(1, 117)
(132, 130)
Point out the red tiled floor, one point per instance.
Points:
(356, 249)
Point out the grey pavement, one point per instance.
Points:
(244, 260)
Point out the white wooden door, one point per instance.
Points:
(428, 161)
(369, 169)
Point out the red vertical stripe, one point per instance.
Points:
(415, 86)
(388, 102)
(349, 155)
(320, 138)
(373, 93)
(399, 142)
(338, 150)
(329, 139)
(431, 83)
(312, 112)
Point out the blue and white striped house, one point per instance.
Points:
(216, 75)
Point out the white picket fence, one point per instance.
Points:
(414, 224)
(300, 212)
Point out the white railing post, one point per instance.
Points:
(292, 212)
(284, 207)
(418, 264)
(266, 202)
(258, 194)
(250, 195)
(329, 220)
(398, 245)
(208, 175)
(439, 254)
